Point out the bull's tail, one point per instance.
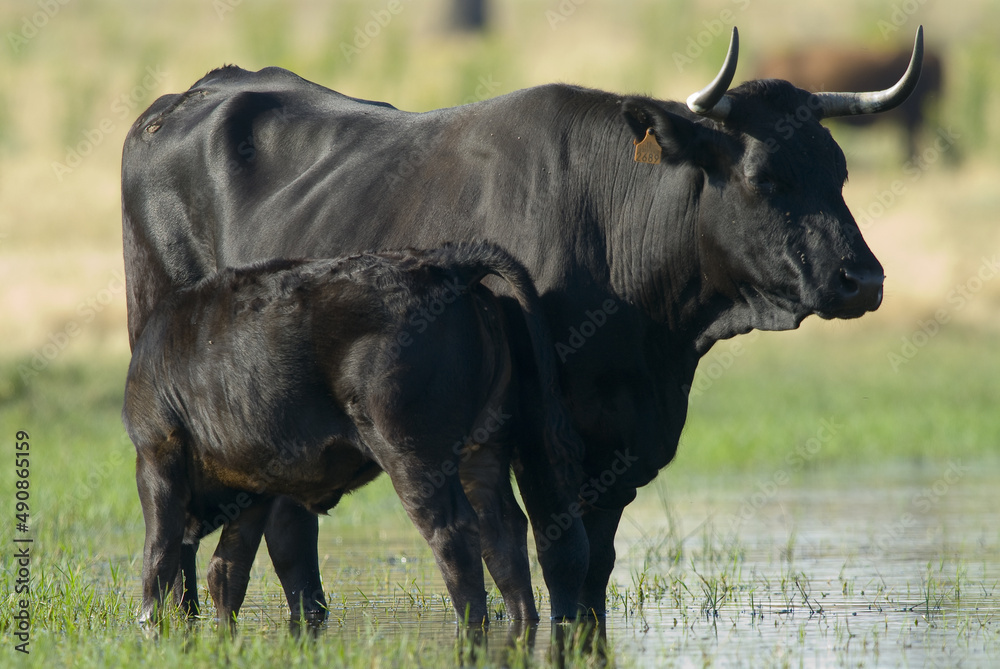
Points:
(473, 261)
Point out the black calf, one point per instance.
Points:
(306, 379)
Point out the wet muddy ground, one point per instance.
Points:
(897, 566)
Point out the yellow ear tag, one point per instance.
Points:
(647, 151)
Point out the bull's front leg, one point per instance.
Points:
(292, 534)
(601, 525)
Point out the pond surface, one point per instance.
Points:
(891, 567)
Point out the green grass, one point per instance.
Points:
(772, 398)
(812, 398)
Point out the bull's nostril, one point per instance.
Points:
(848, 284)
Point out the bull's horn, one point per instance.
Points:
(711, 101)
(848, 104)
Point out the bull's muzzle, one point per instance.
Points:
(860, 291)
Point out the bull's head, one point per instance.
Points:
(773, 231)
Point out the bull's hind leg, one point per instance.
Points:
(291, 534)
(229, 570)
(502, 529)
(163, 495)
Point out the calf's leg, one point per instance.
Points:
(502, 529)
(163, 495)
(292, 534)
(186, 584)
(447, 521)
(229, 570)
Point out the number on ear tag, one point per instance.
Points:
(648, 150)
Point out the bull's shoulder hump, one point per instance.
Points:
(555, 99)
(567, 92)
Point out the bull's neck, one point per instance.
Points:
(627, 226)
(647, 216)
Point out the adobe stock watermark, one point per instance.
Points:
(228, 512)
(924, 501)
(914, 168)
(224, 7)
(463, 450)
(283, 465)
(957, 299)
(366, 32)
(719, 361)
(589, 493)
(901, 13)
(422, 319)
(121, 109)
(96, 478)
(201, 197)
(34, 23)
(792, 122)
(588, 327)
(24, 518)
(795, 461)
(57, 341)
(562, 12)
(713, 29)
(413, 158)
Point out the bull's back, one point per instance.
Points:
(248, 166)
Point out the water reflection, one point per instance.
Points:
(505, 643)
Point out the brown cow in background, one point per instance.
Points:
(832, 68)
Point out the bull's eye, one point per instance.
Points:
(763, 184)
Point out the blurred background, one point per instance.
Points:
(862, 413)
(74, 75)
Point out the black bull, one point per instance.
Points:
(308, 379)
(739, 223)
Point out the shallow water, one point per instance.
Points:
(894, 567)
(890, 568)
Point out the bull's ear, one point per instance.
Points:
(677, 136)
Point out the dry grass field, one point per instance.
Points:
(76, 74)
